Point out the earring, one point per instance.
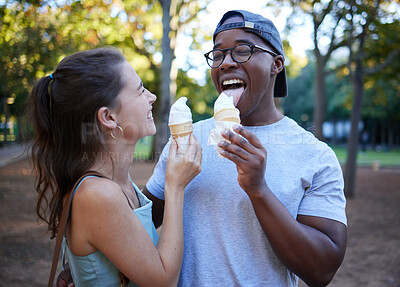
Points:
(121, 131)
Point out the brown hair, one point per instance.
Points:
(67, 136)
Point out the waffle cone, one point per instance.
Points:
(181, 129)
(231, 115)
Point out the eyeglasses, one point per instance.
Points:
(240, 54)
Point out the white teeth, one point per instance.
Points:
(233, 81)
(150, 115)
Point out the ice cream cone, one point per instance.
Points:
(231, 115)
(181, 129)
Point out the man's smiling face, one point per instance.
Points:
(250, 80)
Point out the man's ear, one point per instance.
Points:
(107, 118)
(278, 65)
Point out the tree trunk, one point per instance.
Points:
(162, 134)
(320, 99)
(350, 170)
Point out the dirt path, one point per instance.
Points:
(372, 257)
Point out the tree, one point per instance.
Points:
(351, 24)
(176, 14)
(299, 105)
(28, 49)
(361, 17)
(381, 105)
(327, 20)
(35, 37)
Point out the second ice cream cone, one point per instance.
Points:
(231, 115)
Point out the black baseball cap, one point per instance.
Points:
(266, 30)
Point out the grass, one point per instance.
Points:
(384, 158)
(368, 158)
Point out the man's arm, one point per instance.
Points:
(311, 247)
(157, 209)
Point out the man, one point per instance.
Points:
(274, 206)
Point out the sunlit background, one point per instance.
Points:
(343, 68)
(326, 44)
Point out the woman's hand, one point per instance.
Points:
(249, 155)
(184, 163)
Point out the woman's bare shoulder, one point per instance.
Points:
(97, 190)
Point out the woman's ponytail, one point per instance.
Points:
(40, 108)
(42, 149)
(60, 107)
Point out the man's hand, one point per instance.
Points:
(249, 155)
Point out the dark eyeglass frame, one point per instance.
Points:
(252, 47)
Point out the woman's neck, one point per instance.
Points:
(116, 163)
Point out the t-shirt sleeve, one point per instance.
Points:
(325, 197)
(156, 183)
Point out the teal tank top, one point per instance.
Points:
(95, 269)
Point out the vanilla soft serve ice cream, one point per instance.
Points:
(224, 109)
(223, 102)
(180, 112)
(226, 117)
(180, 119)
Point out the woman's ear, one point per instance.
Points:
(278, 65)
(107, 118)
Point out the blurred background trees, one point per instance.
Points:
(353, 25)
(345, 90)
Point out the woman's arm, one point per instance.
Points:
(157, 209)
(103, 220)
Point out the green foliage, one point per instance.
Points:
(28, 40)
(338, 92)
(293, 62)
(299, 103)
(382, 90)
(34, 38)
(36, 35)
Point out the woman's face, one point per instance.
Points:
(256, 101)
(135, 109)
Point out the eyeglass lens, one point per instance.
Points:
(240, 54)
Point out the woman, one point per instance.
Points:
(89, 115)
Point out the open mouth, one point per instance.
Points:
(150, 114)
(234, 88)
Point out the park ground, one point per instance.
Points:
(372, 257)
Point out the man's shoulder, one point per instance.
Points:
(296, 135)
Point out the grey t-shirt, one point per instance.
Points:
(224, 244)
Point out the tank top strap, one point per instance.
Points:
(74, 192)
(78, 184)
